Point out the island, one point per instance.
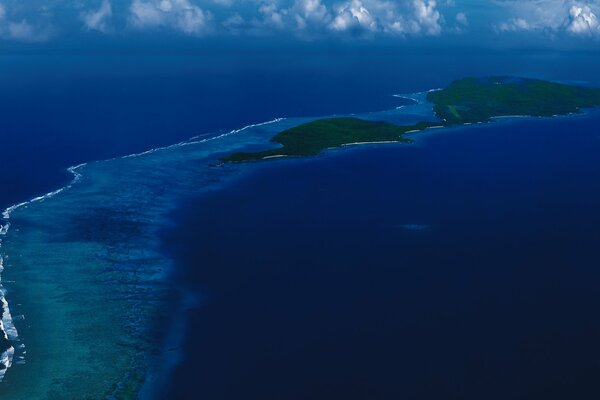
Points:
(465, 101)
(311, 138)
(474, 100)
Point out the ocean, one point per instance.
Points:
(461, 267)
(450, 267)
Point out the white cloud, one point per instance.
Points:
(97, 19)
(307, 19)
(353, 15)
(317, 18)
(534, 15)
(310, 13)
(34, 20)
(181, 15)
(428, 16)
(272, 15)
(388, 17)
(515, 24)
(25, 32)
(234, 23)
(574, 17)
(583, 20)
(20, 29)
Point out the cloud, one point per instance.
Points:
(179, 15)
(515, 24)
(34, 20)
(23, 31)
(307, 19)
(575, 17)
(419, 17)
(461, 19)
(97, 20)
(234, 23)
(354, 15)
(428, 16)
(309, 13)
(583, 21)
(272, 15)
(348, 18)
(20, 29)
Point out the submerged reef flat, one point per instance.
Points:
(87, 277)
(465, 101)
(85, 270)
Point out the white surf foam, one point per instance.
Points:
(6, 361)
(7, 326)
(197, 140)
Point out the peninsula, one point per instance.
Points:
(469, 100)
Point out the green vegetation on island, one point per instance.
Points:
(468, 100)
(313, 137)
(479, 100)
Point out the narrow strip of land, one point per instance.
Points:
(466, 101)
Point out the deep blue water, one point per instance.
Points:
(461, 267)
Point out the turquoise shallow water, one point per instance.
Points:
(88, 288)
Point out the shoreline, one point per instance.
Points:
(7, 326)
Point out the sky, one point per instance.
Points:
(566, 23)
